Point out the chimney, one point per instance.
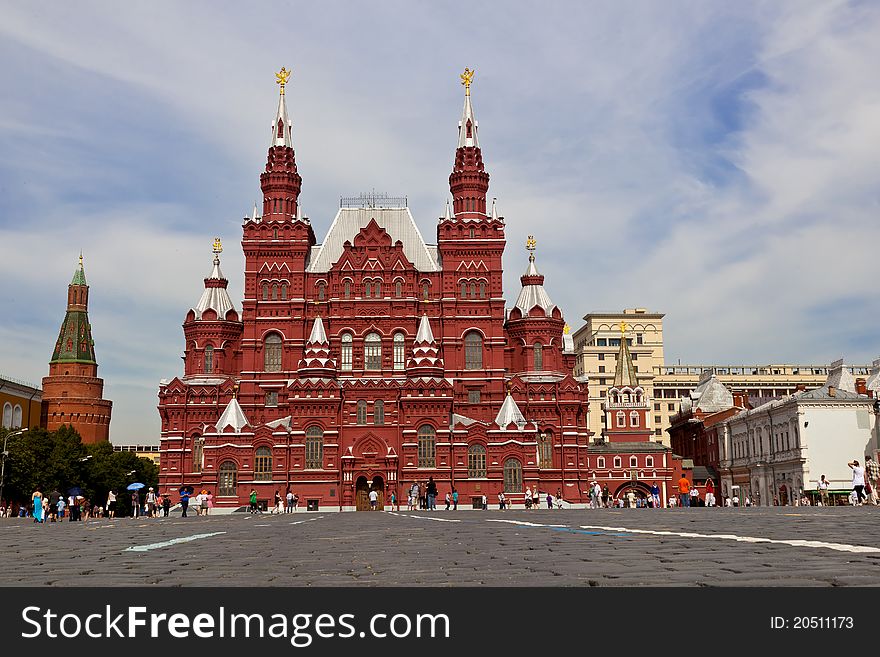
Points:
(832, 391)
(861, 387)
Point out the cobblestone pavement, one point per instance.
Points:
(808, 546)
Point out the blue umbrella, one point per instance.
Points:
(76, 490)
(135, 486)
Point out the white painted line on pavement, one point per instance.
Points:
(403, 515)
(299, 522)
(173, 541)
(840, 547)
(523, 523)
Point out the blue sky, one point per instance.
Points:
(719, 162)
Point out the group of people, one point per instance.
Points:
(287, 503)
(423, 495)
(55, 508)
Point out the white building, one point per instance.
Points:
(775, 451)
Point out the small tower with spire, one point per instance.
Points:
(73, 393)
(468, 181)
(316, 361)
(627, 405)
(280, 181)
(212, 327)
(425, 360)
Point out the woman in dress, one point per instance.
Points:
(37, 499)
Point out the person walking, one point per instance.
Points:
(374, 499)
(858, 480)
(549, 500)
(528, 497)
(695, 496)
(111, 504)
(606, 495)
(485, 503)
(822, 487)
(184, 502)
(872, 479)
(655, 495)
(166, 504)
(431, 492)
(684, 490)
(289, 497)
(151, 503)
(454, 499)
(252, 499)
(135, 505)
(501, 501)
(394, 502)
(279, 506)
(448, 500)
(710, 493)
(61, 504)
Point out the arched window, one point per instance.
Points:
(399, 351)
(198, 454)
(473, 290)
(473, 351)
(373, 352)
(464, 289)
(476, 462)
(621, 419)
(16, 417)
(284, 291)
(274, 291)
(322, 290)
(346, 289)
(512, 476)
(378, 289)
(427, 446)
(545, 450)
(634, 419)
(618, 462)
(482, 289)
(227, 479)
(368, 288)
(263, 464)
(398, 289)
(379, 412)
(633, 462)
(265, 291)
(649, 461)
(209, 359)
(362, 411)
(272, 353)
(472, 233)
(426, 289)
(314, 448)
(539, 356)
(7, 415)
(346, 352)
(600, 462)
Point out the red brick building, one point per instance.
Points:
(73, 393)
(627, 459)
(374, 359)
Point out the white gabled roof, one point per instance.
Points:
(397, 222)
(510, 413)
(233, 417)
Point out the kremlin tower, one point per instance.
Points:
(72, 393)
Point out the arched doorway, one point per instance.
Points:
(642, 491)
(362, 492)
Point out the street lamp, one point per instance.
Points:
(4, 455)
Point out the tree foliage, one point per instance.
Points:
(56, 461)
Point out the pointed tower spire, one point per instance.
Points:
(448, 216)
(280, 181)
(510, 414)
(625, 373)
(75, 344)
(215, 297)
(468, 181)
(494, 209)
(316, 361)
(425, 360)
(533, 293)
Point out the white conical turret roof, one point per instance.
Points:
(215, 297)
(533, 293)
(233, 417)
(510, 413)
(424, 334)
(466, 138)
(281, 132)
(318, 335)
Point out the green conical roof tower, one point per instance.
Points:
(75, 344)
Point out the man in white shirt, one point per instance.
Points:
(858, 481)
(374, 500)
(823, 490)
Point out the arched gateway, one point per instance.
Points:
(362, 492)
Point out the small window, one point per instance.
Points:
(472, 233)
(426, 289)
(617, 462)
(361, 411)
(284, 291)
(399, 351)
(263, 464)
(265, 291)
(476, 462)
(272, 398)
(633, 462)
(398, 289)
(368, 289)
(464, 289)
(378, 289)
(634, 419)
(600, 462)
(601, 342)
(209, 359)
(346, 289)
(621, 419)
(321, 291)
(227, 479)
(427, 439)
(482, 289)
(274, 291)
(670, 407)
(601, 369)
(346, 352)
(649, 461)
(373, 352)
(473, 290)
(473, 396)
(379, 412)
(545, 450)
(539, 356)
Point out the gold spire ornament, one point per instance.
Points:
(281, 78)
(531, 244)
(218, 246)
(566, 329)
(466, 79)
(622, 328)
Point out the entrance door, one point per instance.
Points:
(362, 494)
(379, 487)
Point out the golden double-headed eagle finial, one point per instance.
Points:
(466, 78)
(218, 246)
(623, 327)
(531, 243)
(566, 329)
(281, 78)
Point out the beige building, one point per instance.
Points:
(597, 343)
(143, 451)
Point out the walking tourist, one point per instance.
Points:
(61, 504)
(454, 500)
(655, 495)
(872, 479)
(184, 502)
(431, 492)
(528, 497)
(684, 491)
(858, 480)
(710, 493)
(501, 501)
(549, 500)
(135, 505)
(37, 499)
(289, 497)
(448, 500)
(111, 504)
(606, 495)
(252, 498)
(393, 501)
(151, 503)
(822, 487)
(374, 499)
(485, 503)
(166, 504)
(536, 497)
(279, 507)
(695, 496)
